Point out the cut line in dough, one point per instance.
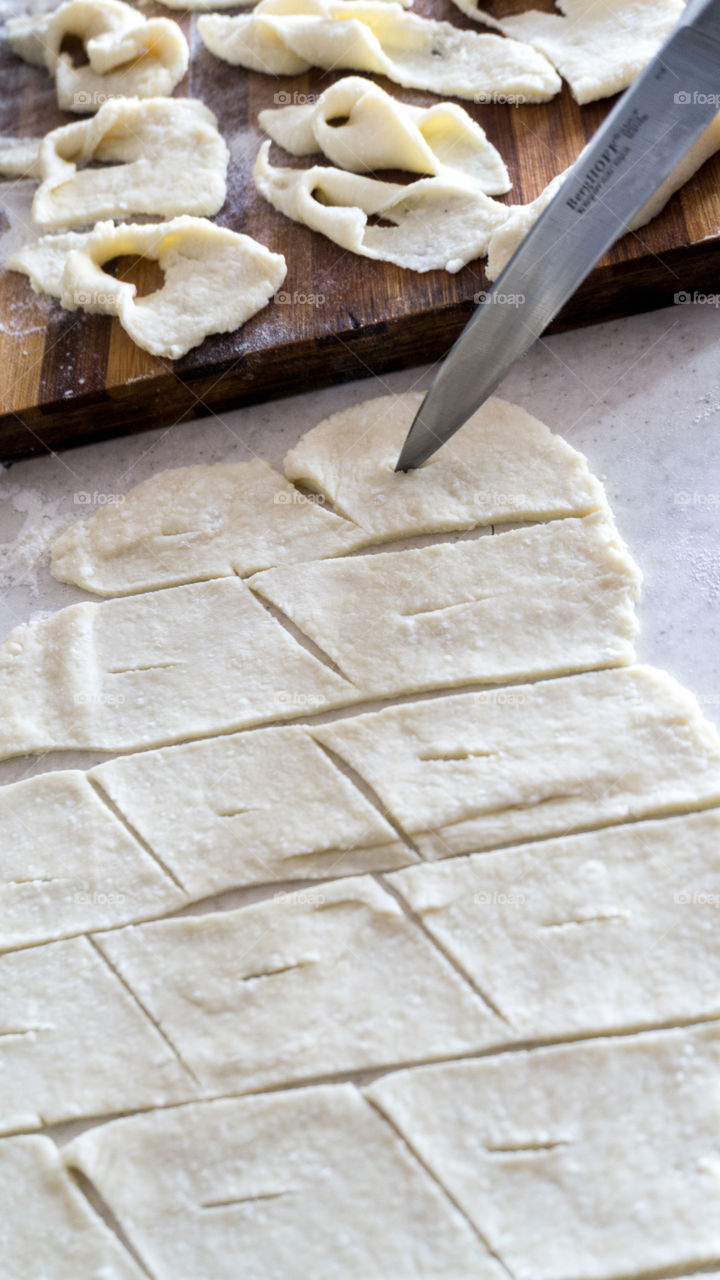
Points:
(610, 931)
(273, 1183)
(48, 1229)
(428, 225)
(164, 156)
(479, 770)
(360, 127)
(214, 279)
(287, 37)
(68, 865)
(598, 46)
(128, 55)
(594, 1160)
(536, 601)
(294, 988)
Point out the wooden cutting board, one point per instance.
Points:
(66, 377)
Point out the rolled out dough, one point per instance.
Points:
(608, 931)
(68, 865)
(47, 1228)
(583, 1162)
(255, 1187)
(296, 988)
(75, 1042)
(479, 770)
(553, 598)
(286, 37)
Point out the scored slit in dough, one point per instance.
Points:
(287, 37)
(592, 1161)
(478, 770)
(278, 1174)
(128, 55)
(598, 46)
(611, 931)
(431, 224)
(360, 127)
(294, 988)
(67, 864)
(48, 1228)
(211, 521)
(75, 1042)
(544, 600)
(214, 279)
(164, 156)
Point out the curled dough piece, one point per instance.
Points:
(427, 225)
(359, 127)
(598, 46)
(285, 37)
(128, 55)
(215, 279)
(521, 217)
(164, 156)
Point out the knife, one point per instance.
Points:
(642, 140)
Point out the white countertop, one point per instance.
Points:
(641, 397)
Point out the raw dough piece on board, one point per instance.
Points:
(554, 598)
(479, 770)
(47, 1229)
(431, 224)
(250, 808)
(76, 1043)
(287, 37)
(581, 1162)
(276, 1177)
(608, 931)
(309, 984)
(360, 127)
(598, 46)
(127, 55)
(67, 864)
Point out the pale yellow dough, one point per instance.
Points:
(360, 127)
(214, 279)
(584, 1162)
(286, 37)
(311, 1183)
(598, 46)
(128, 55)
(507, 237)
(47, 1229)
(170, 160)
(435, 223)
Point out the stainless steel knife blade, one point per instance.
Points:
(644, 138)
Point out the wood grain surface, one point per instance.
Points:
(67, 377)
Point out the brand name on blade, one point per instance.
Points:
(613, 155)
